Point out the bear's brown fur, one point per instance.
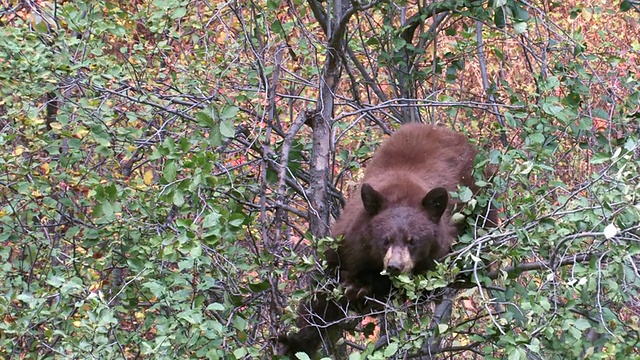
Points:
(399, 223)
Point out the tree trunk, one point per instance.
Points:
(334, 22)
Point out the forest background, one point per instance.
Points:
(169, 169)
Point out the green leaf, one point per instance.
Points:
(156, 288)
(536, 138)
(204, 119)
(239, 323)
(516, 354)
(227, 129)
(391, 349)
(215, 307)
(237, 220)
(465, 194)
(276, 26)
(582, 324)
(442, 328)
(258, 287)
(228, 112)
(499, 18)
(212, 219)
(520, 13)
(178, 198)
(178, 13)
(240, 353)
(56, 281)
(552, 108)
(215, 137)
(170, 170)
(111, 191)
(302, 356)
(107, 209)
(573, 98)
(600, 158)
(28, 299)
(273, 4)
(520, 27)
(625, 5)
(41, 27)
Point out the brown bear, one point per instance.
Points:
(400, 224)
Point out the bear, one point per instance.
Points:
(400, 223)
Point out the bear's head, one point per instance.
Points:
(407, 236)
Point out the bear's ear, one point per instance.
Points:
(435, 202)
(372, 200)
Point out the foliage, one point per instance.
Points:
(168, 167)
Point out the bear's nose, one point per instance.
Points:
(395, 268)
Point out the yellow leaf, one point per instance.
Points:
(36, 121)
(44, 168)
(222, 38)
(56, 126)
(18, 151)
(95, 286)
(148, 177)
(77, 323)
(80, 133)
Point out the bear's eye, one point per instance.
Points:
(386, 241)
(410, 240)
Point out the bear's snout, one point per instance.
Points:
(398, 260)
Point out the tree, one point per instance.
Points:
(170, 170)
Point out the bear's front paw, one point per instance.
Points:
(289, 345)
(357, 292)
(285, 345)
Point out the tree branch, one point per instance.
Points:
(424, 14)
(485, 83)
